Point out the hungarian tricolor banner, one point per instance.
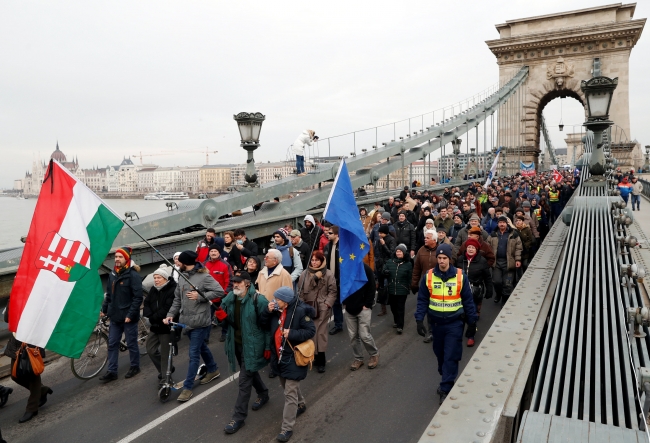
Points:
(557, 177)
(57, 294)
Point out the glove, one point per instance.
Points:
(220, 314)
(471, 330)
(267, 355)
(421, 329)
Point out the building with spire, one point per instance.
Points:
(31, 183)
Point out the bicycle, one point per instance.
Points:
(95, 354)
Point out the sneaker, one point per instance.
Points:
(399, 331)
(428, 339)
(222, 338)
(356, 365)
(470, 342)
(497, 299)
(210, 376)
(261, 401)
(374, 361)
(335, 331)
(442, 395)
(233, 426)
(108, 377)
(133, 371)
(284, 436)
(301, 409)
(186, 394)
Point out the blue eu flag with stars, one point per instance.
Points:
(342, 211)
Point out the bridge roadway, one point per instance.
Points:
(392, 403)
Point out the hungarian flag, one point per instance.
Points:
(57, 294)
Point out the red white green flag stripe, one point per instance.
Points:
(57, 293)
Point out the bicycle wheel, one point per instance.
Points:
(93, 358)
(143, 332)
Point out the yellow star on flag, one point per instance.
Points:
(340, 259)
(352, 257)
(363, 246)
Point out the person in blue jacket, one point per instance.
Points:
(445, 296)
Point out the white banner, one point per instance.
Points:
(493, 169)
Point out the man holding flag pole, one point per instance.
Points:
(357, 279)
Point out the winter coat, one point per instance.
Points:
(422, 307)
(637, 188)
(195, 313)
(399, 273)
(454, 231)
(486, 252)
(255, 339)
(326, 253)
(268, 284)
(374, 235)
(299, 321)
(311, 236)
(123, 295)
(384, 252)
(249, 249)
(202, 249)
(448, 223)
(364, 296)
(157, 305)
(221, 271)
(306, 138)
(514, 248)
(527, 240)
(625, 189)
(405, 233)
(305, 253)
(424, 260)
(462, 237)
(478, 271)
(322, 290)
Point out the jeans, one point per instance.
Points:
(292, 398)
(625, 198)
(198, 349)
(161, 358)
(448, 347)
(247, 381)
(130, 331)
(636, 199)
(503, 281)
(300, 164)
(359, 332)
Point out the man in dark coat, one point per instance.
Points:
(291, 322)
(303, 248)
(311, 232)
(247, 248)
(122, 305)
(405, 234)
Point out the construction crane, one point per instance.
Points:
(207, 153)
(140, 155)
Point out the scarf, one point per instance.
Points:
(227, 247)
(161, 286)
(278, 333)
(317, 273)
(286, 257)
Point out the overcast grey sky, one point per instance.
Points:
(111, 79)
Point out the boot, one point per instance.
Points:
(383, 311)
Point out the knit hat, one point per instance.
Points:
(241, 276)
(502, 218)
(474, 217)
(188, 258)
(444, 249)
(385, 216)
(526, 204)
(401, 247)
(383, 229)
(177, 253)
(215, 246)
(285, 294)
(474, 230)
(473, 242)
(162, 272)
(428, 221)
(126, 252)
(282, 234)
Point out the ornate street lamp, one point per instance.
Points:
(599, 92)
(250, 126)
(455, 143)
(646, 166)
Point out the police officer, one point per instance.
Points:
(446, 297)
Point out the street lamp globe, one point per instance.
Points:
(599, 92)
(250, 126)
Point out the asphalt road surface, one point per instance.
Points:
(392, 403)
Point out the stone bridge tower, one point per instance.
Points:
(560, 51)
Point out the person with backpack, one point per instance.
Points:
(290, 255)
(248, 344)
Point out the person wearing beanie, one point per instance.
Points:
(156, 306)
(383, 221)
(303, 248)
(203, 246)
(291, 322)
(291, 261)
(191, 305)
(248, 344)
(474, 222)
(398, 271)
(507, 246)
(317, 288)
(445, 297)
(531, 219)
(456, 228)
(222, 272)
(527, 240)
(424, 225)
(477, 269)
(122, 305)
(384, 247)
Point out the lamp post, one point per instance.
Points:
(599, 92)
(646, 166)
(455, 143)
(250, 126)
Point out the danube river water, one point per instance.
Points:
(16, 215)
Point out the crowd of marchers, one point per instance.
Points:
(452, 248)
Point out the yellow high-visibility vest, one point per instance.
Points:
(553, 197)
(538, 213)
(445, 296)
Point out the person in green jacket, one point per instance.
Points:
(399, 272)
(247, 344)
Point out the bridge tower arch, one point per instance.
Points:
(560, 51)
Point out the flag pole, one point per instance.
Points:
(167, 261)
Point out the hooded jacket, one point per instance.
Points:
(311, 236)
(306, 138)
(123, 295)
(195, 313)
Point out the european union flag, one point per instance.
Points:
(342, 211)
